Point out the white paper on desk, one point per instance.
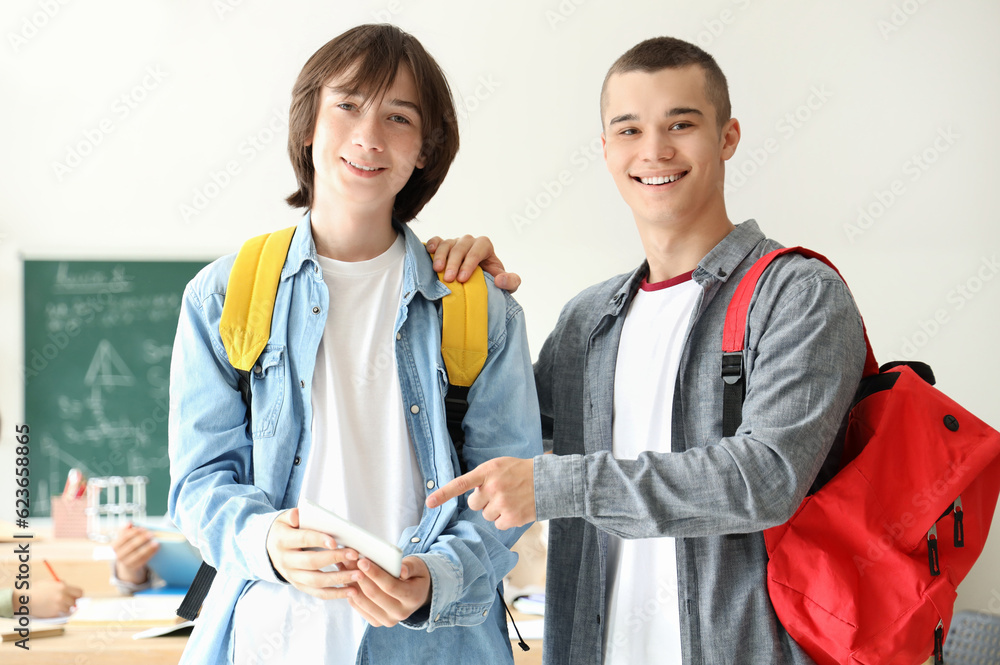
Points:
(530, 630)
(160, 631)
(50, 621)
(533, 604)
(149, 609)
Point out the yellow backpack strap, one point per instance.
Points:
(464, 329)
(463, 347)
(253, 285)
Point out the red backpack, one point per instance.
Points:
(865, 571)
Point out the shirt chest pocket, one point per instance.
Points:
(267, 390)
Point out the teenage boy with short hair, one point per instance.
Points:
(655, 545)
(347, 397)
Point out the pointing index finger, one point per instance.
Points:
(456, 487)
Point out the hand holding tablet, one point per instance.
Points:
(314, 517)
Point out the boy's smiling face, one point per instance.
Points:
(364, 150)
(663, 146)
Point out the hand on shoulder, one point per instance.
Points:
(458, 258)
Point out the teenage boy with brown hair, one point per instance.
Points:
(348, 404)
(656, 552)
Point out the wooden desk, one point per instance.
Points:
(115, 646)
(73, 561)
(96, 646)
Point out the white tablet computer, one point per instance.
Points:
(314, 517)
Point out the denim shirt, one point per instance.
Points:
(804, 357)
(227, 487)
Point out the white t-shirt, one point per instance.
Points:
(362, 465)
(643, 624)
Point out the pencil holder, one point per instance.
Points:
(69, 517)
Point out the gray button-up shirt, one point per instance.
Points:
(804, 355)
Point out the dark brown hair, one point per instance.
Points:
(375, 53)
(659, 53)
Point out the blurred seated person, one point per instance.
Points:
(134, 546)
(46, 599)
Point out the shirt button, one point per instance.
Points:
(399, 336)
(722, 273)
(302, 383)
(414, 409)
(414, 540)
(315, 310)
(297, 460)
(257, 370)
(430, 484)
(486, 612)
(437, 618)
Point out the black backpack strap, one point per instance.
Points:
(456, 405)
(733, 392)
(195, 596)
(244, 384)
(198, 591)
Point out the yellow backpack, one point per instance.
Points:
(246, 323)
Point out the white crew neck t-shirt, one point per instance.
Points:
(643, 625)
(362, 465)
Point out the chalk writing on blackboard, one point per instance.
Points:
(98, 337)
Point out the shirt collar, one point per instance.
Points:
(718, 264)
(418, 271)
(724, 258)
(301, 250)
(418, 268)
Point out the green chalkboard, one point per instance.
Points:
(97, 343)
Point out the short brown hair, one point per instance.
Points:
(375, 52)
(659, 53)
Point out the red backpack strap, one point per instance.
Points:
(734, 334)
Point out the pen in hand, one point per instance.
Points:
(53, 599)
(54, 576)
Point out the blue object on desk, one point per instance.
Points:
(176, 562)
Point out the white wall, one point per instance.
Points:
(888, 82)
